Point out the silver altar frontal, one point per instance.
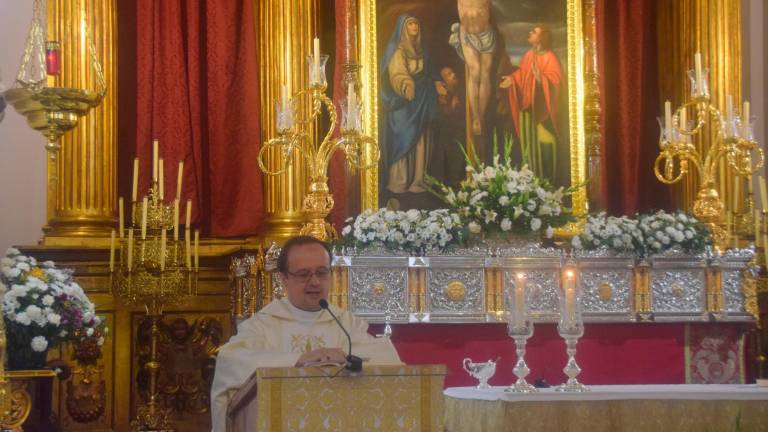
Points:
(469, 285)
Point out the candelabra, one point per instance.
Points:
(51, 110)
(293, 138)
(154, 269)
(571, 328)
(733, 140)
(520, 328)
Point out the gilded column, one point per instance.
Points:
(712, 27)
(82, 206)
(284, 30)
(592, 109)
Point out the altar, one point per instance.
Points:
(641, 408)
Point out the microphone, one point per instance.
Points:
(354, 363)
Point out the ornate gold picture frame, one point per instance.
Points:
(580, 68)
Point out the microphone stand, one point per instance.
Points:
(354, 363)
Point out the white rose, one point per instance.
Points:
(506, 224)
(576, 242)
(503, 200)
(23, 319)
(474, 227)
(347, 229)
(12, 252)
(535, 224)
(54, 318)
(34, 312)
(39, 343)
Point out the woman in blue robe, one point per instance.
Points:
(409, 108)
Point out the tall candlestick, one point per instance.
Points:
(130, 249)
(179, 180)
(135, 189)
(699, 73)
(520, 300)
(197, 250)
(112, 252)
(189, 214)
(763, 194)
(570, 297)
(316, 59)
(176, 220)
(144, 219)
(155, 157)
(162, 248)
(120, 213)
(187, 241)
(668, 120)
(745, 121)
(162, 180)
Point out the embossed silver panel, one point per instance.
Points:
(733, 296)
(378, 285)
(678, 291)
(457, 291)
(606, 291)
(541, 293)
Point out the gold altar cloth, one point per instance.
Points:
(640, 415)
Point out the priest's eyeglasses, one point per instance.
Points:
(305, 275)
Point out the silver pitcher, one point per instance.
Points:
(480, 371)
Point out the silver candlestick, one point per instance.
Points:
(571, 328)
(520, 328)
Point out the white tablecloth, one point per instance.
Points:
(620, 392)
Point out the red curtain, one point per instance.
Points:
(197, 92)
(628, 66)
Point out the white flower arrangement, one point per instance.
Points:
(414, 231)
(500, 198)
(43, 305)
(644, 234)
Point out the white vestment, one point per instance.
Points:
(277, 336)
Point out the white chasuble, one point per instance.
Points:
(277, 336)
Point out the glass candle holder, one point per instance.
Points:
(351, 118)
(52, 57)
(699, 85)
(665, 138)
(520, 329)
(317, 71)
(284, 111)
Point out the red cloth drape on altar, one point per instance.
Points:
(196, 90)
(628, 66)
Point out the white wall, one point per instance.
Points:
(22, 153)
(754, 71)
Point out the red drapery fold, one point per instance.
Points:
(627, 56)
(197, 92)
(337, 178)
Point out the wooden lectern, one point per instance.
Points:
(381, 398)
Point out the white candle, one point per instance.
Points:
(668, 120)
(112, 252)
(763, 194)
(135, 189)
(130, 249)
(284, 98)
(162, 180)
(520, 300)
(745, 121)
(317, 59)
(729, 108)
(144, 219)
(699, 73)
(189, 214)
(197, 250)
(176, 220)
(121, 217)
(162, 248)
(179, 179)
(155, 157)
(570, 297)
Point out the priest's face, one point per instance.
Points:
(308, 277)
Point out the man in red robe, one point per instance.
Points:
(534, 94)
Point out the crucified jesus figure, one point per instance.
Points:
(475, 41)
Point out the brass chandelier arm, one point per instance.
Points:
(668, 157)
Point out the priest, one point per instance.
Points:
(295, 330)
